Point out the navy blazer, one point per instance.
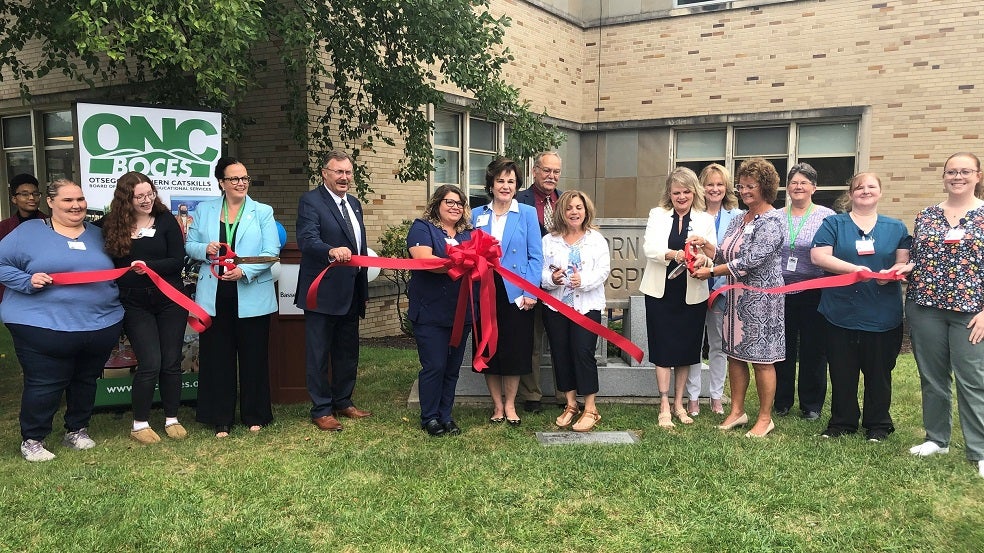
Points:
(320, 228)
(527, 197)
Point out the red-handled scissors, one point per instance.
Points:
(229, 260)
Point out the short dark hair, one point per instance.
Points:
(23, 178)
(223, 164)
(498, 167)
(804, 169)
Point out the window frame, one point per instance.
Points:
(475, 191)
(39, 150)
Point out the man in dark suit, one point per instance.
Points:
(543, 196)
(330, 228)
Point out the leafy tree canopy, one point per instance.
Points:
(360, 63)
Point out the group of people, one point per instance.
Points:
(696, 241)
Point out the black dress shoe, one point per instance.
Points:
(782, 411)
(434, 428)
(452, 428)
(532, 406)
(810, 415)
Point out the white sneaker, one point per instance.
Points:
(34, 451)
(980, 467)
(928, 448)
(78, 440)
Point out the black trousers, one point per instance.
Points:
(850, 354)
(804, 343)
(155, 326)
(572, 351)
(333, 338)
(233, 344)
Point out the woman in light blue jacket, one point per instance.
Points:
(517, 228)
(239, 300)
(722, 204)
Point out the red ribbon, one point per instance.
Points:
(475, 261)
(834, 281)
(198, 319)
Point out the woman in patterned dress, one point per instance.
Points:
(945, 309)
(754, 327)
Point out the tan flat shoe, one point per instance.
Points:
(565, 418)
(684, 417)
(145, 436)
(587, 421)
(665, 420)
(176, 431)
(768, 429)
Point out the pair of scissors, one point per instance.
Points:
(229, 260)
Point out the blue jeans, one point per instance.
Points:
(56, 362)
(155, 326)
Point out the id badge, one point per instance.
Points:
(865, 247)
(791, 264)
(749, 228)
(954, 236)
(146, 233)
(482, 220)
(76, 245)
(450, 241)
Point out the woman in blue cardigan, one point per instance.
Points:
(517, 228)
(239, 300)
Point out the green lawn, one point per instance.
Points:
(384, 485)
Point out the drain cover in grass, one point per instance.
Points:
(567, 438)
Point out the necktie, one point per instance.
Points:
(348, 220)
(548, 214)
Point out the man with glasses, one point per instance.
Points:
(330, 228)
(25, 195)
(543, 195)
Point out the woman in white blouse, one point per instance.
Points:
(576, 263)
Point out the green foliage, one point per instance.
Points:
(394, 242)
(361, 64)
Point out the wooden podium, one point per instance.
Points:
(287, 374)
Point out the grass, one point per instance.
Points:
(384, 485)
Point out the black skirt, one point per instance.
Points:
(514, 353)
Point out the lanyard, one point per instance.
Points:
(794, 233)
(231, 229)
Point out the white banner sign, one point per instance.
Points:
(177, 149)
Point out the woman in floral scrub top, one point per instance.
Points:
(944, 307)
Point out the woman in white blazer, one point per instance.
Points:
(676, 303)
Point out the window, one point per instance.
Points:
(464, 145)
(680, 3)
(831, 147)
(51, 157)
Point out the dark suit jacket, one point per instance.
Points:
(527, 197)
(320, 227)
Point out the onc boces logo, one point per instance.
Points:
(117, 145)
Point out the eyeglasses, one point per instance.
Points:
(28, 194)
(339, 172)
(237, 180)
(147, 196)
(453, 203)
(799, 183)
(951, 173)
(546, 171)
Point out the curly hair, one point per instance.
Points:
(763, 173)
(686, 178)
(119, 222)
(432, 212)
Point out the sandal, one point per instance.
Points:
(567, 417)
(665, 420)
(587, 421)
(683, 416)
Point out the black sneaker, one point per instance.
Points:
(810, 415)
(877, 435)
(836, 432)
(782, 411)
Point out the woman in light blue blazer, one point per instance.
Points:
(722, 204)
(239, 300)
(516, 227)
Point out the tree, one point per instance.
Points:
(367, 63)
